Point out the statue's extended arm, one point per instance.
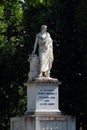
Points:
(35, 45)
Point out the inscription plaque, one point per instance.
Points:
(47, 97)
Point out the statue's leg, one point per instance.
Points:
(48, 73)
(40, 74)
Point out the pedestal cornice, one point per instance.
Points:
(43, 80)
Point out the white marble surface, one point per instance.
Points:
(43, 123)
(43, 102)
(31, 98)
(34, 67)
(43, 96)
(60, 123)
(44, 41)
(47, 98)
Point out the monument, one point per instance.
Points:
(42, 92)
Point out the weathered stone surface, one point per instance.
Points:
(43, 108)
(43, 96)
(47, 122)
(44, 80)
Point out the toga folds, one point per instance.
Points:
(45, 52)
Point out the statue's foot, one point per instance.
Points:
(44, 74)
(40, 75)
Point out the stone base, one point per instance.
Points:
(43, 122)
(44, 113)
(43, 95)
(43, 108)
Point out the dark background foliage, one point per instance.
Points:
(67, 24)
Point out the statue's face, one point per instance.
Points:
(44, 30)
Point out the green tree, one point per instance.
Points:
(66, 21)
(12, 62)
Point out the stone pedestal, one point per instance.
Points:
(43, 108)
(43, 122)
(42, 96)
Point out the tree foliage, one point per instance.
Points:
(19, 23)
(12, 61)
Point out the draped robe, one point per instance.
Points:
(45, 52)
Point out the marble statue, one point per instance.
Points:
(34, 67)
(45, 49)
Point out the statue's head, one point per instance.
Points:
(44, 28)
